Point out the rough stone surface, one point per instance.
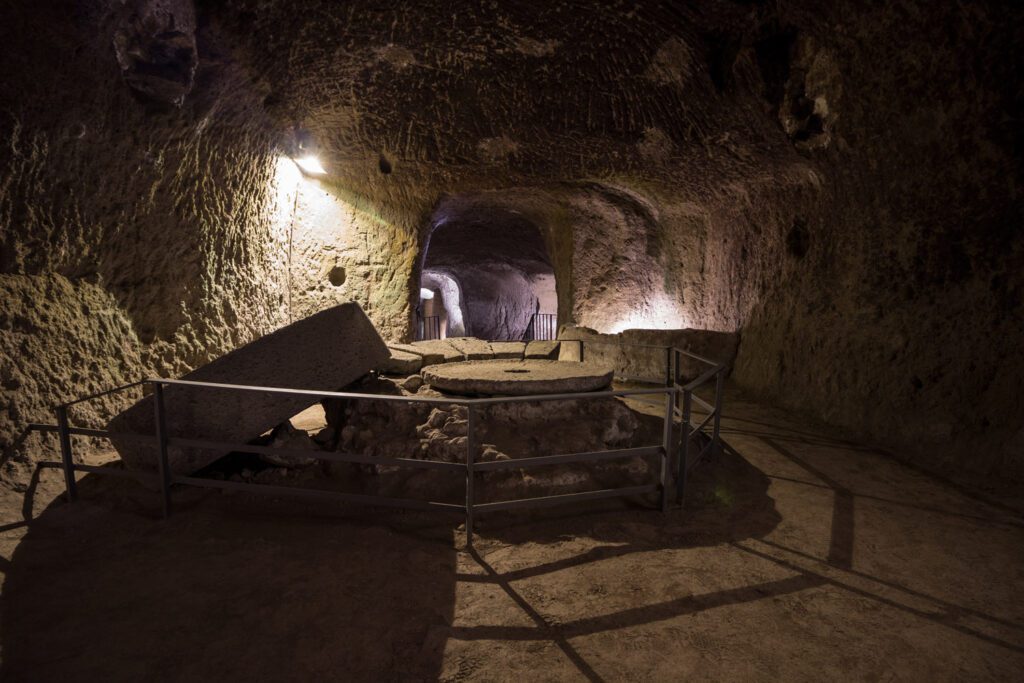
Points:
(471, 348)
(641, 353)
(401, 362)
(155, 44)
(506, 431)
(412, 383)
(517, 378)
(570, 351)
(833, 181)
(508, 350)
(288, 437)
(438, 351)
(542, 350)
(323, 352)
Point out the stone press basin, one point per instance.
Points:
(517, 377)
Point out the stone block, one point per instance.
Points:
(542, 350)
(508, 350)
(471, 347)
(437, 349)
(569, 350)
(401, 363)
(324, 352)
(426, 357)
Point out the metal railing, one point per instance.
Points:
(684, 398)
(678, 401)
(542, 327)
(428, 327)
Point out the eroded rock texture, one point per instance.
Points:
(504, 431)
(839, 183)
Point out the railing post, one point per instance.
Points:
(64, 432)
(719, 381)
(666, 445)
(684, 452)
(677, 358)
(163, 467)
(470, 496)
(670, 376)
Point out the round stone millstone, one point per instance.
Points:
(517, 377)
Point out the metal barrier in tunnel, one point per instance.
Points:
(542, 327)
(428, 327)
(673, 454)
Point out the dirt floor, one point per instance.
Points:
(798, 557)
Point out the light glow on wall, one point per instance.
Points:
(659, 312)
(425, 294)
(310, 165)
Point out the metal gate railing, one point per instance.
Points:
(674, 456)
(542, 327)
(684, 399)
(428, 327)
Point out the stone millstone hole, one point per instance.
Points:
(518, 371)
(337, 276)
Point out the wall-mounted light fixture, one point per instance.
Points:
(303, 151)
(426, 293)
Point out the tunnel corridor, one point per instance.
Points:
(486, 272)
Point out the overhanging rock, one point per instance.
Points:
(324, 352)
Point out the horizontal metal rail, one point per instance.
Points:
(542, 501)
(640, 380)
(113, 472)
(409, 503)
(537, 461)
(586, 395)
(100, 394)
(207, 444)
(672, 460)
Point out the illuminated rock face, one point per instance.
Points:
(802, 175)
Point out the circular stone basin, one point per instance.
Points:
(517, 377)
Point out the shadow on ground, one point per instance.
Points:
(228, 588)
(236, 587)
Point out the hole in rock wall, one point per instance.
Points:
(491, 272)
(337, 276)
(798, 240)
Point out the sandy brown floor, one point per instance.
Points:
(798, 557)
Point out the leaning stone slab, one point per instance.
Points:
(401, 363)
(569, 350)
(436, 348)
(542, 350)
(508, 350)
(473, 348)
(324, 352)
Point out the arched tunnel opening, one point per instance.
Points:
(486, 273)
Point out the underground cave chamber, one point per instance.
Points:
(392, 205)
(486, 273)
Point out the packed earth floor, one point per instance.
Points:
(799, 556)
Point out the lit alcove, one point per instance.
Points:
(486, 273)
